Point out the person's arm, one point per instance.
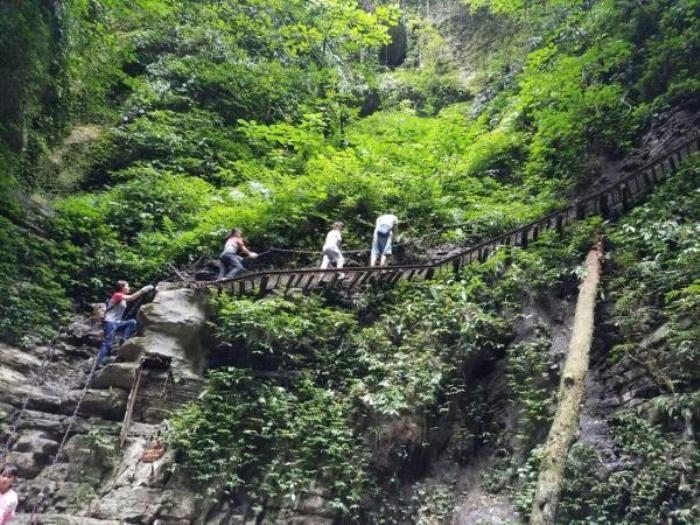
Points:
(245, 250)
(136, 295)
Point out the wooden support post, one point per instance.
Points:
(625, 194)
(130, 406)
(263, 285)
(523, 238)
(571, 390)
(603, 205)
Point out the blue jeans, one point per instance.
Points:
(110, 330)
(381, 245)
(230, 265)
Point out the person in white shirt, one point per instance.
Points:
(8, 497)
(381, 241)
(331, 248)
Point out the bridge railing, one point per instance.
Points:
(618, 196)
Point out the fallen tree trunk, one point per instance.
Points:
(571, 389)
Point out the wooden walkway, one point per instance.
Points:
(619, 196)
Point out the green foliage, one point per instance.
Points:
(656, 279)
(654, 482)
(29, 295)
(532, 382)
(413, 354)
(274, 441)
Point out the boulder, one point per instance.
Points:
(132, 349)
(172, 326)
(119, 375)
(179, 312)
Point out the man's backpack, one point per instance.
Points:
(99, 310)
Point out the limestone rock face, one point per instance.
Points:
(93, 481)
(12, 358)
(172, 326)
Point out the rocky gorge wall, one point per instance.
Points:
(93, 480)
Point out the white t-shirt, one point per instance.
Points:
(332, 240)
(8, 504)
(389, 219)
(231, 245)
(115, 308)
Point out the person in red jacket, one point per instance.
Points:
(113, 322)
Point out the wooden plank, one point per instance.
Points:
(309, 281)
(334, 279)
(366, 275)
(292, 276)
(357, 277)
(396, 278)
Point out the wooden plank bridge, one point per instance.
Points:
(616, 197)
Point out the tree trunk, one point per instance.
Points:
(571, 389)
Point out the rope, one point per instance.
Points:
(66, 434)
(38, 378)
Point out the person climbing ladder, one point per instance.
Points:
(230, 263)
(113, 318)
(331, 248)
